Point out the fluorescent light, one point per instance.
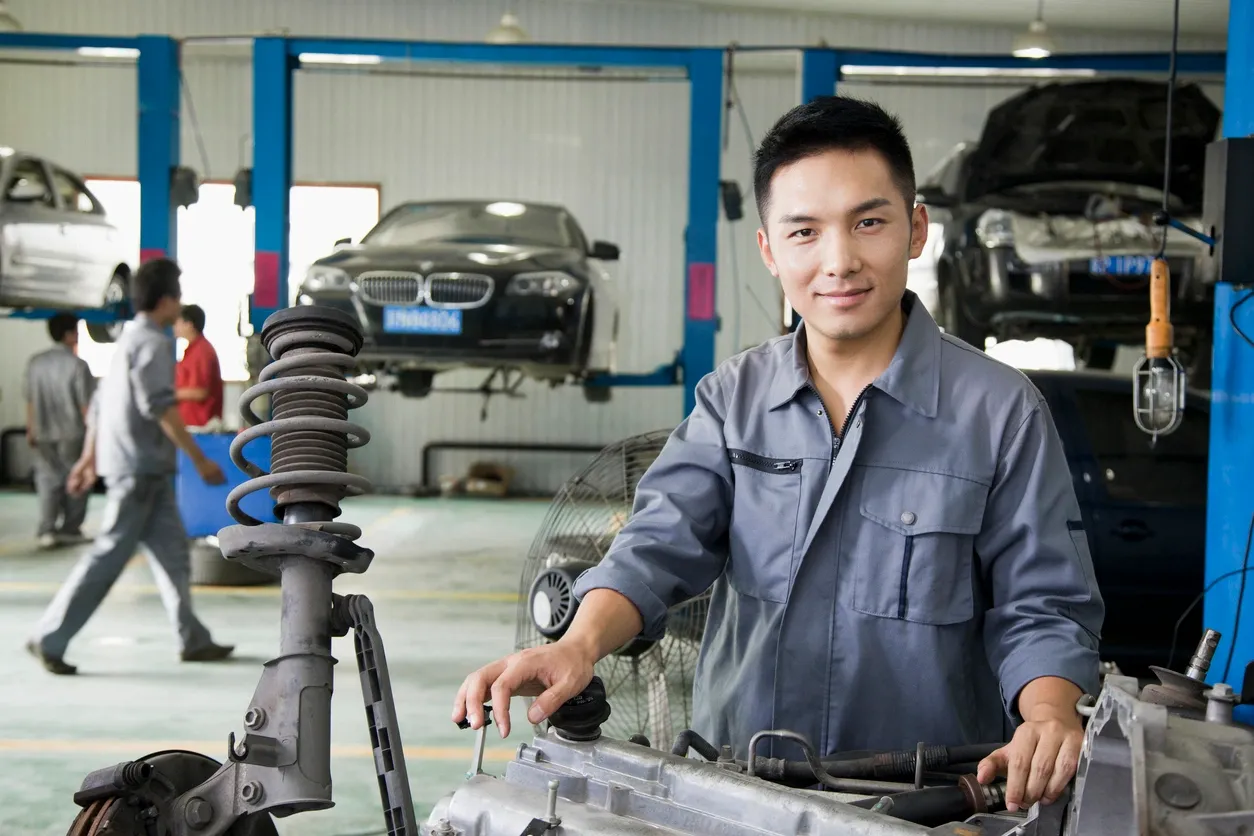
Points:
(965, 72)
(1035, 43)
(508, 31)
(107, 52)
(333, 58)
(506, 210)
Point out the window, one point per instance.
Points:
(1172, 472)
(29, 184)
(216, 253)
(475, 223)
(74, 195)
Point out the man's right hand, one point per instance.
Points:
(554, 673)
(82, 477)
(210, 472)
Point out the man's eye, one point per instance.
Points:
(865, 222)
(802, 233)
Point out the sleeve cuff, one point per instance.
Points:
(1076, 664)
(652, 610)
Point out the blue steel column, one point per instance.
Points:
(272, 175)
(705, 69)
(1230, 492)
(818, 73)
(159, 75)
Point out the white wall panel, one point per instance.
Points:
(615, 152)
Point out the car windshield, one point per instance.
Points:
(474, 223)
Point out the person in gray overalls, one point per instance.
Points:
(133, 427)
(57, 387)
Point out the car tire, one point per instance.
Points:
(414, 383)
(210, 568)
(955, 320)
(597, 394)
(118, 300)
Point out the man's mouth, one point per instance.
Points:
(844, 298)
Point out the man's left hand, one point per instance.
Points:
(1042, 756)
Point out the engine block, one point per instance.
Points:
(1145, 769)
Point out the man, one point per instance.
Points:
(198, 379)
(58, 387)
(132, 432)
(885, 513)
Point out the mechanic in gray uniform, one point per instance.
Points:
(885, 513)
(57, 386)
(133, 428)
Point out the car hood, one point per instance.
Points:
(1110, 130)
(442, 255)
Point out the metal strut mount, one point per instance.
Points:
(282, 764)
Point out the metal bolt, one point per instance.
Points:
(883, 805)
(443, 828)
(726, 753)
(1219, 702)
(255, 718)
(551, 818)
(1202, 656)
(252, 792)
(199, 813)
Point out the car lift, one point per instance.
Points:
(159, 73)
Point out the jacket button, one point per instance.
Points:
(908, 517)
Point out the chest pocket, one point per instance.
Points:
(763, 524)
(913, 549)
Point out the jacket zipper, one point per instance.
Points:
(837, 436)
(763, 463)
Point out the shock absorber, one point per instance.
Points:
(289, 720)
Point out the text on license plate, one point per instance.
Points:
(1121, 265)
(404, 320)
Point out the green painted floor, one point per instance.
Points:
(444, 585)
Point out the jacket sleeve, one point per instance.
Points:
(152, 378)
(674, 545)
(1046, 612)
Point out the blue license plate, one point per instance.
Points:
(1121, 265)
(405, 320)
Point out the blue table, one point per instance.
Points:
(203, 507)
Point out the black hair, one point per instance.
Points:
(60, 325)
(833, 123)
(194, 315)
(154, 281)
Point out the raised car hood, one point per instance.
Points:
(1112, 130)
(450, 256)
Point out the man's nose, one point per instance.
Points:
(840, 255)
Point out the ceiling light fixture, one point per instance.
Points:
(508, 31)
(1036, 42)
(8, 23)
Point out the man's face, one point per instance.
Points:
(168, 310)
(839, 237)
(184, 330)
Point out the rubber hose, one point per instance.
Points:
(933, 806)
(688, 739)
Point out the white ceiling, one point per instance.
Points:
(1197, 17)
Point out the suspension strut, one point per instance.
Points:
(282, 764)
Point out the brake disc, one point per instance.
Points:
(177, 771)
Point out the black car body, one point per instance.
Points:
(1048, 219)
(479, 284)
(1144, 511)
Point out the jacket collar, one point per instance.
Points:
(912, 378)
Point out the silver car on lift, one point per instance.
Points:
(58, 249)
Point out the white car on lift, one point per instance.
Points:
(58, 249)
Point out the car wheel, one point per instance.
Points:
(117, 300)
(955, 320)
(597, 394)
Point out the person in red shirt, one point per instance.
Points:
(198, 378)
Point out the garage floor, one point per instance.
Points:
(444, 608)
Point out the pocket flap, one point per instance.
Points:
(919, 502)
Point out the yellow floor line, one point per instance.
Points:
(272, 591)
(137, 748)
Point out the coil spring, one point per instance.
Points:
(309, 427)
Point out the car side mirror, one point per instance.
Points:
(27, 191)
(604, 251)
(343, 242)
(934, 196)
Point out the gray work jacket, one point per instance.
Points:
(899, 581)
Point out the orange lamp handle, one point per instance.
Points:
(1158, 334)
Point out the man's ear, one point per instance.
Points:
(918, 230)
(764, 248)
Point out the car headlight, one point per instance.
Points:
(325, 278)
(995, 228)
(552, 284)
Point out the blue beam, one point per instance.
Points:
(159, 83)
(1189, 63)
(39, 40)
(705, 70)
(272, 175)
(535, 54)
(1229, 498)
(818, 74)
